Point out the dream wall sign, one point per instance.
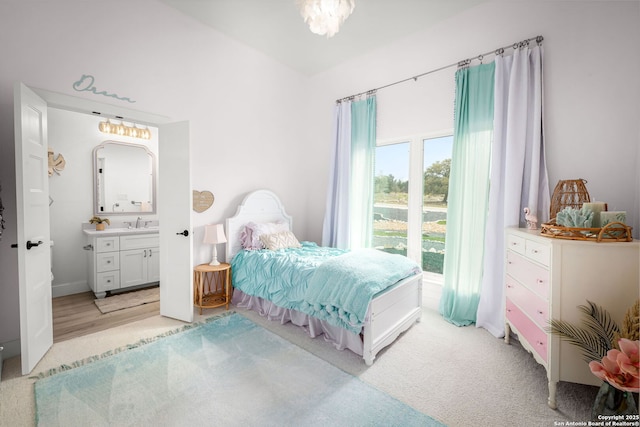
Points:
(86, 84)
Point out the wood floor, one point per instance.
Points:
(77, 315)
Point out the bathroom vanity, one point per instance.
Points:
(126, 254)
(121, 258)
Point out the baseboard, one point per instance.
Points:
(134, 288)
(71, 288)
(432, 278)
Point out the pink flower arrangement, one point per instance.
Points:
(620, 368)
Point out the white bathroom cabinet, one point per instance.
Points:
(139, 260)
(118, 262)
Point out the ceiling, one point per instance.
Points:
(276, 28)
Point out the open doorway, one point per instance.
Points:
(73, 136)
(33, 225)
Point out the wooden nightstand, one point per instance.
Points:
(212, 285)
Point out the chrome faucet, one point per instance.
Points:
(138, 222)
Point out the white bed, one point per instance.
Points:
(390, 312)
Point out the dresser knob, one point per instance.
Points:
(540, 281)
(540, 312)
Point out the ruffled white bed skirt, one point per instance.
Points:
(339, 337)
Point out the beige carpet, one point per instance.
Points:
(459, 376)
(128, 300)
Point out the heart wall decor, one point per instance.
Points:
(202, 200)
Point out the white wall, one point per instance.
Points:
(245, 110)
(591, 66)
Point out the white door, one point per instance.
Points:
(174, 210)
(34, 250)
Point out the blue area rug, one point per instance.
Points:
(225, 372)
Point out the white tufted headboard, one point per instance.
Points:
(257, 206)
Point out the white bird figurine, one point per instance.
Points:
(532, 220)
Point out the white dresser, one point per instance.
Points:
(548, 278)
(122, 260)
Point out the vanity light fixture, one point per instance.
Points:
(124, 130)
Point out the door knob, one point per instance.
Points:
(30, 244)
(184, 233)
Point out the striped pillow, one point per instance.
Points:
(281, 240)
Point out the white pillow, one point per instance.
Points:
(281, 240)
(250, 235)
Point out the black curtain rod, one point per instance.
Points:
(463, 63)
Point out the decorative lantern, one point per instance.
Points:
(568, 193)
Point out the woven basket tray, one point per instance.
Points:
(612, 232)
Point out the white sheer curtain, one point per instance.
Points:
(518, 171)
(348, 221)
(335, 230)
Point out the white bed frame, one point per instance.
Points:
(390, 313)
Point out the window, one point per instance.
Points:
(435, 192)
(391, 197)
(410, 200)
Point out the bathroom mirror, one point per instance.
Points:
(124, 179)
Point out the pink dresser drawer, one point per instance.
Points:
(528, 330)
(536, 307)
(526, 272)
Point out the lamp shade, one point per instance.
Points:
(214, 234)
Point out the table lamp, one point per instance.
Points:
(214, 234)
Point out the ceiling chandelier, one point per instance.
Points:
(325, 16)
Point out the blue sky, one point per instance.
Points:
(394, 159)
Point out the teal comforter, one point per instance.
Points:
(331, 284)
